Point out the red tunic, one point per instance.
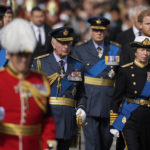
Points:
(23, 112)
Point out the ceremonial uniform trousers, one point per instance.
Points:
(26, 125)
(99, 88)
(65, 99)
(132, 88)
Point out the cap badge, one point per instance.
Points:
(98, 21)
(146, 41)
(66, 32)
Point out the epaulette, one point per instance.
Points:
(2, 69)
(76, 59)
(42, 56)
(82, 42)
(115, 43)
(127, 65)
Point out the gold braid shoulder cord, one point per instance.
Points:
(37, 94)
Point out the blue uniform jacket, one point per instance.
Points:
(99, 97)
(65, 117)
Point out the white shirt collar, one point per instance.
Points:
(58, 58)
(135, 31)
(101, 46)
(36, 27)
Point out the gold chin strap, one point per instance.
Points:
(53, 78)
(37, 94)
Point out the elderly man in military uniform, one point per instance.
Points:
(133, 89)
(27, 122)
(100, 58)
(65, 77)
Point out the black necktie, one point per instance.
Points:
(62, 63)
(139, 33)
(40, 42)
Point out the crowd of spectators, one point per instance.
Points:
(75, 13)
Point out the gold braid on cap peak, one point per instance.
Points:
(65, 39)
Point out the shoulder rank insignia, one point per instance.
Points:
(127, 65)
(42, 56)
(82, 42)
(115, 43)
(76, 59)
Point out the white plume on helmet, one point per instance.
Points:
(18, 36)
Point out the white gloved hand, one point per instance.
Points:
(83, 114)
(114, 132)
(2, 113)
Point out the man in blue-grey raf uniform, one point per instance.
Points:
(66, 80)
(101, 60)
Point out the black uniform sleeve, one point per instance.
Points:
(118, 96)
(120, 90)
(81, 96)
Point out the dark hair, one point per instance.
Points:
(35, 9)
(134, 49)
(115, 8)
(143, 14)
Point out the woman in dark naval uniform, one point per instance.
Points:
(130, 107)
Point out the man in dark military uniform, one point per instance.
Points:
(66, 80)
(133, 89)
(100, 58)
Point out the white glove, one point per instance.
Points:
(83, 114)
(114, 132)
(2, 113)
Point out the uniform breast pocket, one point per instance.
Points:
(87, 65)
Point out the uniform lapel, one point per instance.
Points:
(106, 49)
(70, 66)
(92, 50)
(52, 63)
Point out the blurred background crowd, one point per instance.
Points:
(56, 13)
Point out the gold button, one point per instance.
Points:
(135, 92)
(131, 67)
(134, 83)
(132, 75)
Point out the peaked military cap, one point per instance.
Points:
(3, 9)
(98, 23)
(141, 42)
(62, 34)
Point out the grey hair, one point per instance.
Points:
(132, 11)
(53, 40)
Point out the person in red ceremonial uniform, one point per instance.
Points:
(25, 122)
